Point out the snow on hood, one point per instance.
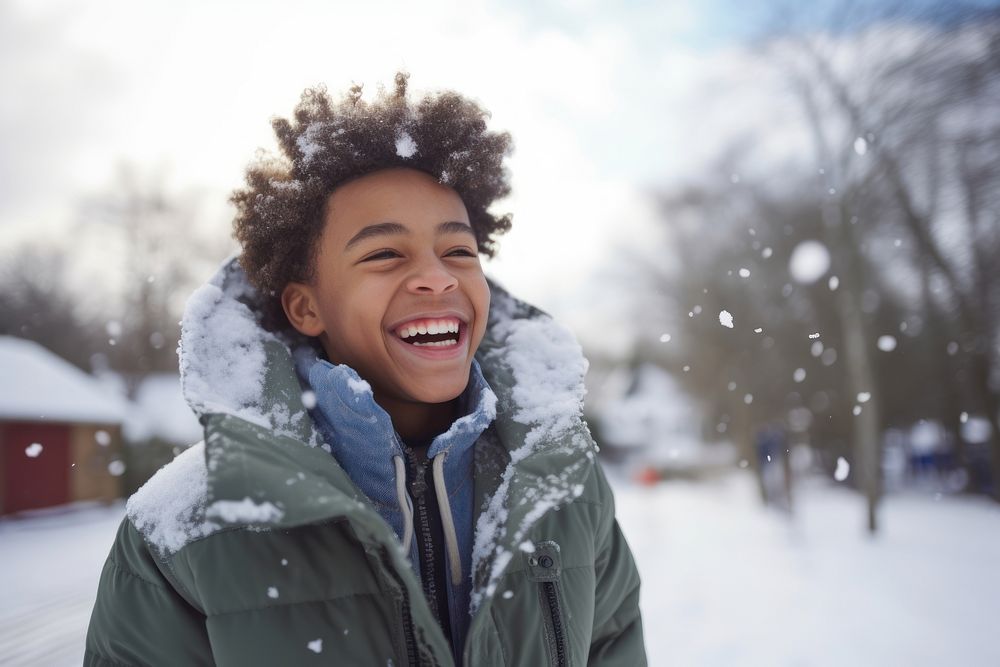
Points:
(230, 364)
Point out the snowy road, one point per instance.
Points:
(49, 567)
(725, 582)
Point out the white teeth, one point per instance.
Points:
(439, 343)
(430, 327)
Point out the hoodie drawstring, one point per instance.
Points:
(404, 502)
(447, 521)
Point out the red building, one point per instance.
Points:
(60, 431)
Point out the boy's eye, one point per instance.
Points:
(381, 254)
(460, 252)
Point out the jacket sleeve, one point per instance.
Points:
(139, 618)
(617, 637)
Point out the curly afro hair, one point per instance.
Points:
(281, 211)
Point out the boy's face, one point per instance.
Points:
(397, 258)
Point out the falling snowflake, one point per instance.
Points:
(726, 319)
(309, 399)
(316, 646)
(887, 343)
(843, 469)
(33, 450)
(808, 262)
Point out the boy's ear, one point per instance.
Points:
(300, 307)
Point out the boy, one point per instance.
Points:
(395, 469)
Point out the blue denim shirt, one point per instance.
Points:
(362, 439)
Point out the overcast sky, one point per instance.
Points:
(605, 102)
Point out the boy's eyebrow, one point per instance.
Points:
(378, 229)
(394, 228)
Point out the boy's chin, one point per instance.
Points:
(440, 390)
(437, 395)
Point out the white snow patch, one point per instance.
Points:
(164, 509)
(308, 144)
(230, 360)
(50, 388)
(726, 319)
(406, 147)
(359, 386)
(244, 511)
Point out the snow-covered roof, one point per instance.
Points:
(159, 410)
(37, 385)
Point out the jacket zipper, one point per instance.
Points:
(409, 641)
(557, 636)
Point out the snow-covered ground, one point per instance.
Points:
(725, 581)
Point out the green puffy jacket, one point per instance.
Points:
(255, 548)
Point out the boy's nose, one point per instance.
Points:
(431, 278)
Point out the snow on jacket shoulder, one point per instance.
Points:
(255, 548)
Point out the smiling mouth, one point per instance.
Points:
(438, 332)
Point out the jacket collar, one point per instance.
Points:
(261, 443)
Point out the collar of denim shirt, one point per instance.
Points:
(362, 438)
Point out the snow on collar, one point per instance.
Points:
(537, 369)
(231, 364)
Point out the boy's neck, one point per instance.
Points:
(419, 421)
